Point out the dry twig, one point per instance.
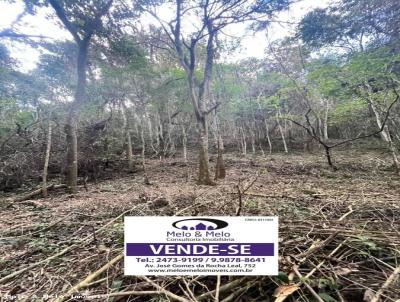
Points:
(89, 278)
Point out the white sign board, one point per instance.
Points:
(201, 245)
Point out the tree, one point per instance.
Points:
(122, 64)
(369, 72)
(353, 24)
(213, 16)
(82, 21)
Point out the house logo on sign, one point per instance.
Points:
(200, 224)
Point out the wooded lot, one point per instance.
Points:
(148, 107)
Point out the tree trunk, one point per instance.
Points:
(326, 120)
(220, 171)
(319, 126)
(266, 128)
(204, 172)
(72, 155)
(72, 120)
(260, 139)
(184, 143)
(146, 179)
(252, 140)
(281, 131)
(385, 135)
(244, 142)
(129, 152)
(329, 158)
(128, 138)
(198, 94)
(46, 161)
(143, 148)
(157, 134)
(171, 143)
(151, 135)
(184, 151)
(267, 135)
(198, 102)
(161, 138)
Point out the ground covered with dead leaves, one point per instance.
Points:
(339, 232)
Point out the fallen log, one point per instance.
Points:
(163, 290)
(89, 279)
(266, 195)
(392, 278)
(34, 193)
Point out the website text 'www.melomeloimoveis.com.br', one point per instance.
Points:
(198, 270)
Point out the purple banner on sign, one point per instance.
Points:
(199, 249)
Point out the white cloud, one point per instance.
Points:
(254, 45)
(41, 24)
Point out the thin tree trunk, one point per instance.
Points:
(158, 143)
(72, 120)
(320, 126)
(259, 138)
(46, 161)
(236, 137)
(268, 137)
(252, 141)
(385, 135)
(329, 158)
(161, 138)
(255, 133)
(204, 173)
(171, 141)
(128, 138)
(143, 148)
(281, 131)
(184, 144)
(146, 179)
(184, 151)
(220, 171)
(151, 134)
(72, 155)
(244, 142)
(129, 151)
(266, 128)
(326, 120)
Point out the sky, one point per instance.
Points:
(252, 45)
